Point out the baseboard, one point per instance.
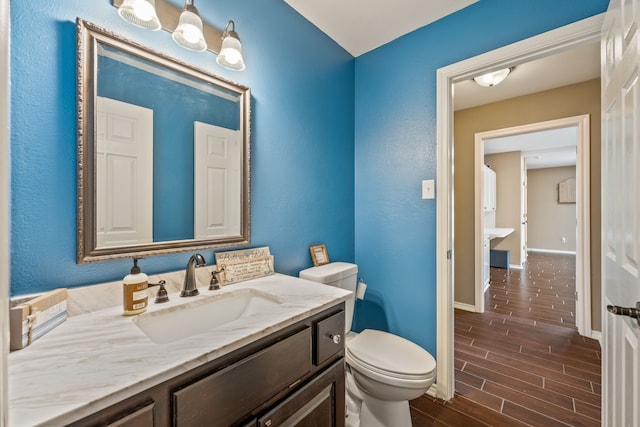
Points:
(597, 335)
(516, 266)
(465, 307)
(551, 251)
(432, 391)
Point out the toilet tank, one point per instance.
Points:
(340, 274)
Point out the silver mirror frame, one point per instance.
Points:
(88, 37)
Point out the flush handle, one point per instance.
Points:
(626, 311)
(335, 338)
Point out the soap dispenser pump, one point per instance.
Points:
(135, 296)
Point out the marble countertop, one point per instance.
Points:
(98, 358)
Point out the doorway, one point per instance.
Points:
(579, 33)
(583, 239)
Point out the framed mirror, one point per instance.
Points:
(163, 152)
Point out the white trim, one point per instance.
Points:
(551, 251)
(445, 252)
(5, 203)
(432, 391)
(583, 240)
(465, 307)
(583, 228)
(516, 266)
(478, 244)
(597, 335)
(578, 33)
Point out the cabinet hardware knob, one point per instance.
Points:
(336, 338)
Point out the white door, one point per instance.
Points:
(620, 213)
(124, 174)
(217, 181)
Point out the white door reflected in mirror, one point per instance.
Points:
(124, 172)
(217, 183)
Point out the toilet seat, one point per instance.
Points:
(390, 358)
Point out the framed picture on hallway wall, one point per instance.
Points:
(319, 255)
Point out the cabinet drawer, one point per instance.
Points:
(226, 396)
(326, 331)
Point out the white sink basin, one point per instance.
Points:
(204, 314)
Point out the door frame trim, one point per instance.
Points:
(583, 234)
(563, 38)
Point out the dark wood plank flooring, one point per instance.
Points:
(522, 362)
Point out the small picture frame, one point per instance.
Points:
(319, 255)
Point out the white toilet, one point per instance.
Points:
(384, 371)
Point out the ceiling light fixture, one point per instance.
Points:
(188, 33)
(230, 55)
(492, 79)
(141, 13)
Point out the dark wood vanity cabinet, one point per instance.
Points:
(294, 376)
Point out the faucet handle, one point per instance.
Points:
(214, 284)
(162, 295)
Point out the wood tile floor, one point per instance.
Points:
(522, 362)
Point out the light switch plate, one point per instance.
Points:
(428, 189)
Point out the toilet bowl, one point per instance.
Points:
(384, 371)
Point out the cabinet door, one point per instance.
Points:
(488, 189)
(493, 190)
(320, 403)
(228, 396)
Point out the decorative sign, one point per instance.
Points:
(567, 191)
(244, 264)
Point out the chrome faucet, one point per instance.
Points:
(189, 289)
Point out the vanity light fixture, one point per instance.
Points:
(186, 27)
(188, 33)
(493, 78)
(230, 55)
(141, 13)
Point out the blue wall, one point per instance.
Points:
(395, 145)
(309, 100)
(302, 136)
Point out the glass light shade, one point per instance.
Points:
(141, 13)
(230, 55)
(492, 79)
(189, 34)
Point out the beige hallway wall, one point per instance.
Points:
(568, 101)
(549, 220)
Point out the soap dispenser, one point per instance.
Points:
(135, 296)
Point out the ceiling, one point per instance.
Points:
(363, 25)
(542, 149)
(575, 65)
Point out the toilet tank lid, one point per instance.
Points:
(329, 272)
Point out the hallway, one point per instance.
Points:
(522, 362)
